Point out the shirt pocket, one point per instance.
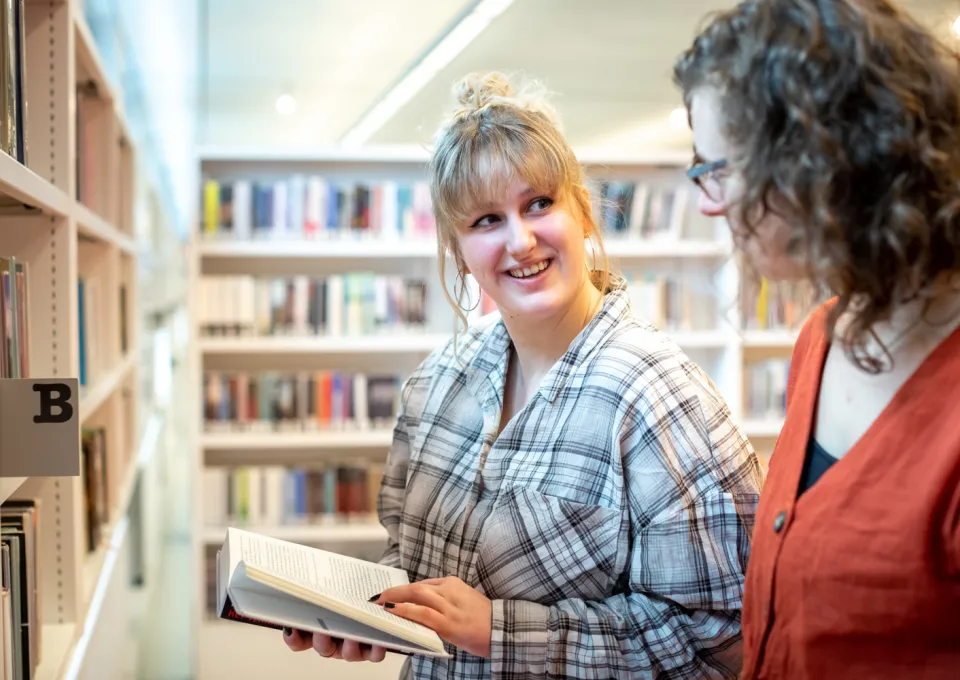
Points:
(544, 549)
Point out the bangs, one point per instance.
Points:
(480, 172)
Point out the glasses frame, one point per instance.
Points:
(699, 173)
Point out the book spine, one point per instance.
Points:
(230, 613)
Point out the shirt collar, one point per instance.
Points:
(486, 370)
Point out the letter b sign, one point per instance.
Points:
(39, 427)
(54, 403)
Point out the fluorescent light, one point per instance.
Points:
(678, 119)
(956, 25)
(286, 105)
(452, 44)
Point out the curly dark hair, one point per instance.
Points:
(847, 111)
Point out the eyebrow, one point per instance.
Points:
(529, 191)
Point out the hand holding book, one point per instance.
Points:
(459, 614)
(333, 648)
(278, 584)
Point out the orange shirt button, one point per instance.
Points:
(780, 520)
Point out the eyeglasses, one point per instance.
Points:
(705, 176)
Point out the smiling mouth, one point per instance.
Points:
(528, 272)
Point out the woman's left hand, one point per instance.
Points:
(459, 614)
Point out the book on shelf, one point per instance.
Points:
(298, 402)
(765, 389)
(13, 116)
(94, 478)
(357, 303)
(640, 211)
(665, 301)
(88, 112)
(304, 206)
(91, 329)
(771, 305)
(275, 584)
(20, 598)
(14, 326)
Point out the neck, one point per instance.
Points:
(540, 343)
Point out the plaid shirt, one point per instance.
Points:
(609, 523)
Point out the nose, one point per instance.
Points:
(522, 239)
(710, 207)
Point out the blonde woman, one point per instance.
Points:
(565, 489)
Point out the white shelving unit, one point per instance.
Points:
(64, 234)
(713, 340)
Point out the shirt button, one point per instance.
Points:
(780, 520)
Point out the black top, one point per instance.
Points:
(815, 464)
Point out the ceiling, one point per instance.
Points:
(608, 63)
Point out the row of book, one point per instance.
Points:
(667, 302)
(14, 331)
(767, 305)
(765, 389)
(93, 326)
(303, 206)
(311, 207)
(304, 401)
(359, 303)
(267, 496)
(20, 595)
(637, 210)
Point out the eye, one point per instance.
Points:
(485, 221)
(540, 204)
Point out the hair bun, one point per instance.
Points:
(478, 90)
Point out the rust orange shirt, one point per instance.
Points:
(860, 576)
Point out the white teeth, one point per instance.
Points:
(523, 272)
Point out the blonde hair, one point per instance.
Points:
(495, 135)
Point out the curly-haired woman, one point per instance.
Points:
(827, 133)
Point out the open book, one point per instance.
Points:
(268, 582)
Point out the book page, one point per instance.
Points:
(347, 578)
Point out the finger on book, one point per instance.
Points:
(326, 646)
(377, 654)
(417, 593)
(426, 616)
(297, 640)
(351, 650)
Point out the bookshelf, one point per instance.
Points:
(68, 216)
(263, 309)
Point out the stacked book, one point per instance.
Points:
(20, 644)
(315, 207)
(239, 401)
(357, 303)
